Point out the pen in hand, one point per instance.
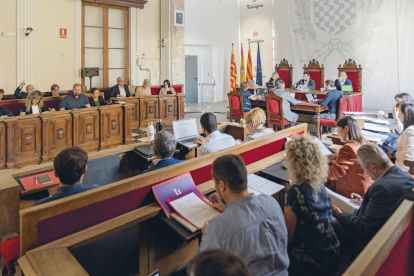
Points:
(36, 181)
(354, 196)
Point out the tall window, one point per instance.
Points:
(105, 43)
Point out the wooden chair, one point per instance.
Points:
(285, 72)
(354, 73)
(236, 105)
(317, 73)
(274, 112)
(342, 106)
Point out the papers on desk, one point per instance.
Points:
(342, 202)
(322, 147)
(258, 185)
(375, 127)
(374, 137)
(372, 120)
(353, 113)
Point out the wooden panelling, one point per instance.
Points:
(181, 106)
(112, 126)
(2, 145)
(168, 108)
(149, 110)
(135, 109)
(128, 123)
(86, 129)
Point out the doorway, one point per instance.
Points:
(191, 79)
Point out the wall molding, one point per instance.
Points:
(78, 41)
(133, 72)
(166, 30)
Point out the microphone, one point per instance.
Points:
(212, 78)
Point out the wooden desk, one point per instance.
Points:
(135, 109)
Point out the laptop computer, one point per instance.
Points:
(270, 85)
(262, 92)
(145, 150)
(347, 88)
(310, 98)
(185, 131)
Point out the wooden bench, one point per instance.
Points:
(45, 223)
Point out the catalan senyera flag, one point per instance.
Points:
(242, 72)
(233, 70)
(249, 75)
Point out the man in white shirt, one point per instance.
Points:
(215, 141)
(120, 90)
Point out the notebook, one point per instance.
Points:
(342, 202)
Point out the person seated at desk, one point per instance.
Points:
(346, 176)
(96, 99)
(273, 80)
(357, 229)
(287, 100)
(163, 148)
(166, 89)
(215, 141)
(250, 226)
(314, 247)
(342, 80)
(255, 121)
(390, 144)
(217, 262)
(34, 104)
(71, 165)
(144, 90)
(305, 83)
(4, 112)
(247, 106)
(75, 100)
(401, 97)
(332, 101)
(19, 94)
(120, 90)
(55, 90)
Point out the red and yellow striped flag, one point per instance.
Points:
(249, 75)
(242, 72)
(233, 70)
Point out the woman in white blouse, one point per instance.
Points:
(405, 144)
(34, 104)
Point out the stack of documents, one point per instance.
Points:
(374, 137)
(372, 120)
(375, 127)
(258, 185)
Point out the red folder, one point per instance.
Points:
(28, 183)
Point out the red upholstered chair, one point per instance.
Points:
(317, 73)
(343, 106)
(285, 72)
(10, 251)
(236, 105)
(274, 112)
(354, 73)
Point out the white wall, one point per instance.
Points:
(215, 23)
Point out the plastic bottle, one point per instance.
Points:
(151, 132)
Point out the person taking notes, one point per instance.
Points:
(306, 82)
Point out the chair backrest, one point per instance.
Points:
(274, 108)
(285, 72)
(177, 87)
(236, 103)
(354, 73)
(343, 105)
(316, 71)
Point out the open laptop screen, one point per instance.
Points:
(185, 128)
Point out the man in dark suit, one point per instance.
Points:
(332, 101)
(306, 82)
(342, 80)
(120, 90)
(391, 183)
(19, 94)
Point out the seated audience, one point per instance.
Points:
(34, 104)
(345, 174)
(247, 106)
(4, 112)
(332, 101)
(84, 90)
(273, 80)
(144, 90)
(357, 229)
(305, 83)
(166, 89)
(163, 148)
(255, 121)
(96, 99)
(215, 141)
(120, 90)
(342, 80)
(19, 94)
(250, 226)
(55, 90)
(405, 144)
(217, 262)
(390, 144)
(313, 245)
(75, 100)
(71, 165)
(287, 100)
(405, 97)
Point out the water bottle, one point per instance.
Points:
(151, 132)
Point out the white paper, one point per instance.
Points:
(369, 133)
(374, 127)
(374, 120)
(322, 147)
(342, 202)
(252, 191)
(353, 113)
(194, 209)
(263, 185)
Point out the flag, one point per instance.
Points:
(259, 81)
(242, 72)
(249, 75)
(233, 70)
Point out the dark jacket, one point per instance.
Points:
(115, 91)
(66, 191)
(311, 84)
(19, 94)
(332, 100)
(339, 86)
(100, 99)
(43, 109)
(377, 203)
(5, 112)
(271, 82)
(162, 164)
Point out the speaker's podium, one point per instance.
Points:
(207, 97)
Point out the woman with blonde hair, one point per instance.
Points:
(34, 104)
(255, 121)
(314, 246)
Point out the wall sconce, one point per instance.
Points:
(164, 42)
(28, 31)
